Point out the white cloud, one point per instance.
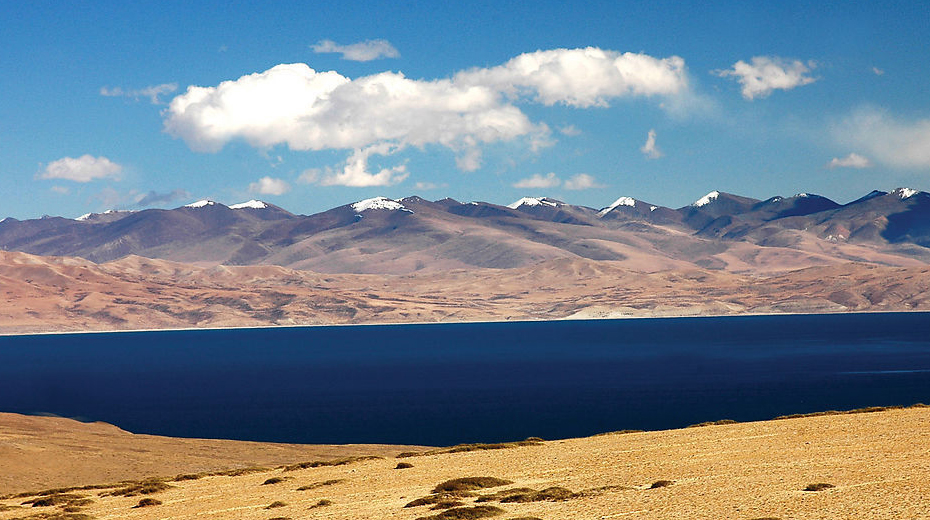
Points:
(885, 138)
(569, 130)
(581, 181)
(550, 180)
(269, 186)
(61, 190)
(362, 51)
(355, 173)
(82, 169)
(304, 109)
(768, 73)
(650, 149)
(877, 71)
(152, 92)
(582, 77)
(853, 160)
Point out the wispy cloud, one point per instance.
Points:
(270, 186)
(367, 50)
(153, 198)
(81, 169)
(886, 138)
(550, 180)
(152, 92)
(569, 130)
(581, 181)
(650, 149)
(767, 73)
(853, 160)
(877, 71)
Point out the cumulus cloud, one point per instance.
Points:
(362, 51)
(650, 149)
(152, 92)
(550, 180)
(853, 160)
(581, 77)
(304, 109)
(887, 139)
(581, 181)
(152, 197)
(270, 186)
(767, 73)
(569, 130)
(82, 169)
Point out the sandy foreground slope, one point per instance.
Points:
(878, 463)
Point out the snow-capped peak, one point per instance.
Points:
(200, 204)
(706, 199)
(622, 201)
(252, 204)
(379, 203)
(88, 216)
(533, 201)
(906, 193)
(802, 195)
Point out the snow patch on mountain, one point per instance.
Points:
(200, 204)
(533, 201)
(252, 204)
(379, 203)
(706, 199)
(88, 216)
(906, 193)
(622, 201)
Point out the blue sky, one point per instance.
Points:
(313, 105)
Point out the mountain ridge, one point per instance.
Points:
(380, 235)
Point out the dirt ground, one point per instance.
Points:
(878, 465)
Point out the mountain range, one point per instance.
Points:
(719, 231)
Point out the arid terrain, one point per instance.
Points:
(49, 294)
(863, 466)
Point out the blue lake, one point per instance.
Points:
(450, 383)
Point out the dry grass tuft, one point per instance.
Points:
(820, 486)
(147, 502)
(459, 448)
(317, 485)
(321, 463)
(466, 513)
(618, 432)
(439, 498)
(53, 500)
(869, 409)
(145, 487)
(713, 423)
(470, 484)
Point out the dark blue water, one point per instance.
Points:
(450, 383)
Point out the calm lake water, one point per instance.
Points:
(451, 383)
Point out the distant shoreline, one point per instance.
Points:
(460, 322)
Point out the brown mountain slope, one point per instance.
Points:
(42, 294)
